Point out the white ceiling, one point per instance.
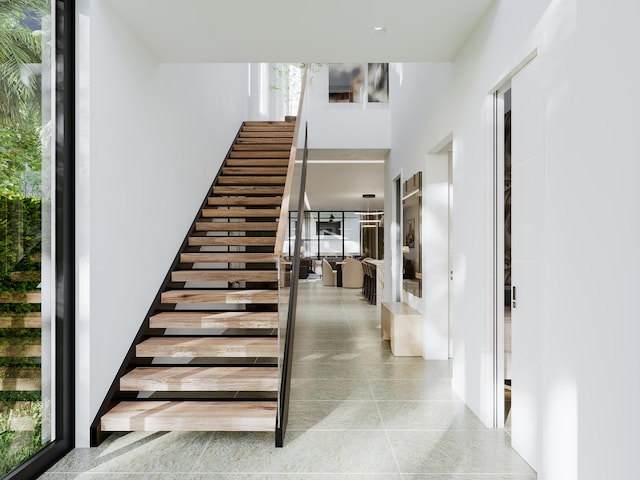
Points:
(336, 180)
(302, 30)
(327, 31)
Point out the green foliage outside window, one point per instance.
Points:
(21, 132)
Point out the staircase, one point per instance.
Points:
(208, 359)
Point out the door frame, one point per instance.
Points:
(497, 92)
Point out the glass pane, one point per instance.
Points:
(26, 287)
(330, 230)
(309, 239)
(351, 234)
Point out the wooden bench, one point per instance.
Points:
(403, 326)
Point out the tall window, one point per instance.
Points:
(328, 234)
(31, 291)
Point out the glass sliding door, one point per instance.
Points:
(31, 260)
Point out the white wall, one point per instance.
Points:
(589, 332)
(591, 335)
(152, 137)
(417, 92)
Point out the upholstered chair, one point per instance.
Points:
(352, 273)
(328, 274)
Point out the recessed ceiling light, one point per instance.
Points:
(379, 29)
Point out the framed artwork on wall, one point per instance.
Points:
(358, 83)
(346, 82)
(378, 83)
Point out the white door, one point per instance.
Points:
(527, 260)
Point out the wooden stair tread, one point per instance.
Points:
(20, 379)
(239, 200)
(21, 297)
(248, 190)
(231, 241)
(220, 296)
(177, 319)
(190, 416)
(201, 379)
(25, 276)
(251, 180)
(265, 147)
(224, 276)
(228, 257)
(268, 128)
(236, 154)
(263, 134)
(28, 349)
(234, 347)
(257, 162)
(204, 226)
(240, 212)
(21, 320)
(263, 141)
(266, 122)
(244, 170)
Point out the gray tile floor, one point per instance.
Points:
(357, 412)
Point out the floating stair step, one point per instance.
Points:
(258, 123)
(265, 147)
(240, 212)
(251, 180)
(267, 122)
(248, 190)
(231, 241)
(257, 162)
(263, 141)
(236, 226)
(214, 320)
(228, 257)
(201, 379)
(21, 320)
(21, 297)
(235, 201)
(222, 347)
(220, 296)
(28, 276)
(20, 379)
(21, 421)
(224, 276)
(254, 171)
(249, 134)
(259, 154)
(269, 128)
(28, 349)
(190, 416)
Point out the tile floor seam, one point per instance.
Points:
(204, 450)
(386, 434)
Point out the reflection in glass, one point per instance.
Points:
(26, 282)
(411, 235)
